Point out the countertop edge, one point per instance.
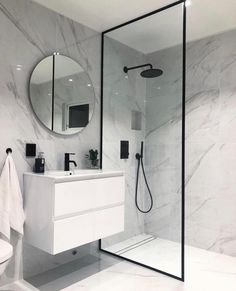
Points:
(77, 177)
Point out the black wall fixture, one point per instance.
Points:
(182, 3)
(30, 150)
(124, 149)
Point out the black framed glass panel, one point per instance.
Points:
(143, 93)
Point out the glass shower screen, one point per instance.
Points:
(143, 79)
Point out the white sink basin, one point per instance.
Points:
(86, 171)
(70, 173)
(78, 174)
(58, 173)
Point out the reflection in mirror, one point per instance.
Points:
(62, 95)
(41, 91)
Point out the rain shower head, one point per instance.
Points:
(149, 73)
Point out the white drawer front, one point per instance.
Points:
(85, 195)
(82, 229)
(73, 232)
(108, 222)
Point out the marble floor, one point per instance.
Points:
(20, 285)
(205, 271)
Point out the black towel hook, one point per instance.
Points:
(8, 150)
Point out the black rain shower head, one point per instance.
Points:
(149, 73)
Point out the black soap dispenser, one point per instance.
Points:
(39, 163)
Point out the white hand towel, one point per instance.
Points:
(11, 201)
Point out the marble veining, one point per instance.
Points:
(210, 138)
(122, 95)
(210, 145)
(30, 33)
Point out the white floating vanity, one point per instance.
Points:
(66, 210)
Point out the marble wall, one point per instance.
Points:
(123, 94)
(210, 144)
(163, 144)
(29, 33)
(210, 139)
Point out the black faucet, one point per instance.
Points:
(68, 161)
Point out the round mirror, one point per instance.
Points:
(61, 94)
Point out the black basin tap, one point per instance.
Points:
(68, 161)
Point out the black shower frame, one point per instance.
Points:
(182, 278)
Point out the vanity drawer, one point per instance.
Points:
(108, 221)
(79, 196)
(81, 229)
(73, 232)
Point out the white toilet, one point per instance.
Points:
(6, 251)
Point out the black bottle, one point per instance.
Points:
(39, 163)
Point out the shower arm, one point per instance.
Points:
(126, 69)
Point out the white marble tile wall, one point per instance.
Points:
(210, 144)
(121, 96)
(163, 144)
(29, 33)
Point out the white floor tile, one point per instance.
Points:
(20, 285)
(205, 271)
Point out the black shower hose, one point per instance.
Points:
(140, 161)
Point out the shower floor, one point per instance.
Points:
(149, 250)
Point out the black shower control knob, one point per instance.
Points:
(138, 156)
